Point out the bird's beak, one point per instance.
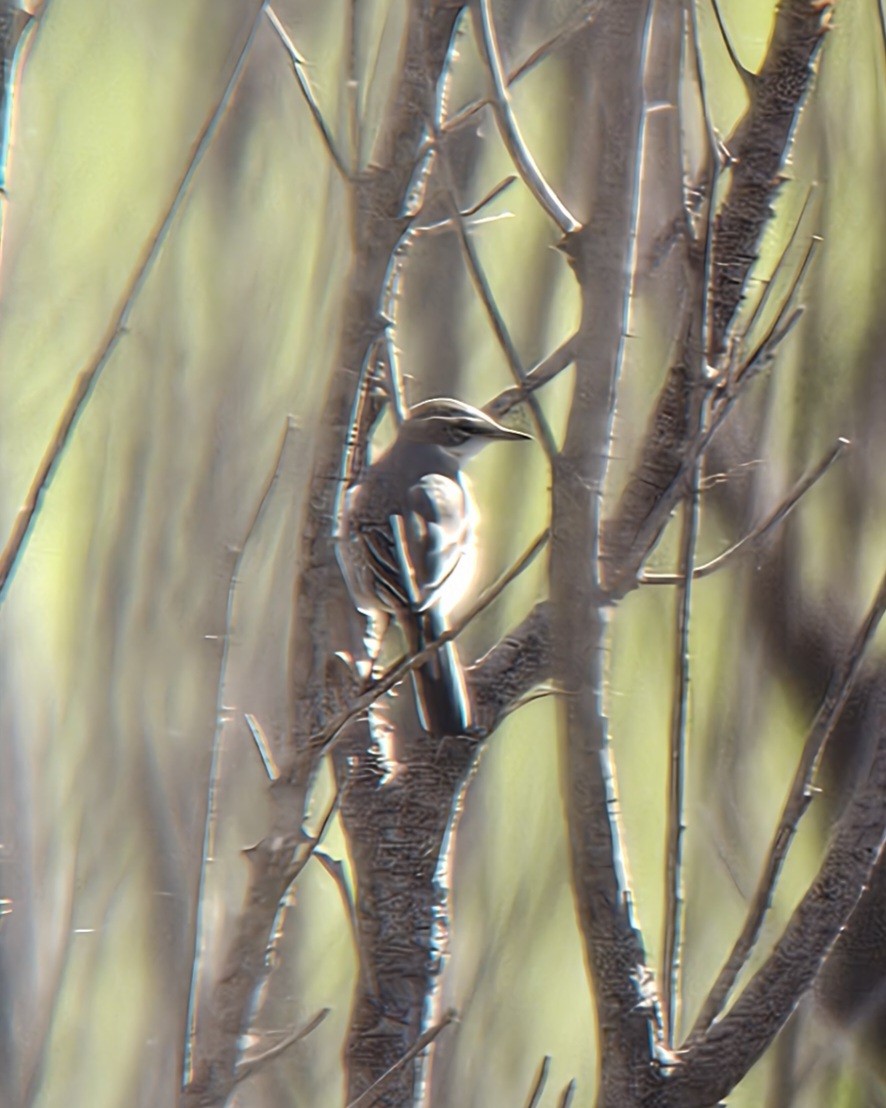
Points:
(499, 431)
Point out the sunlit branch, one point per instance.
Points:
(509, 129)
(298, 68)
(673, 922)
(538, 55)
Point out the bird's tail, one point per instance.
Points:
(441, 695)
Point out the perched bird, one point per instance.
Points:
(406, 543)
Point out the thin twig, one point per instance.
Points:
(510, 132)
(248, 1067)
(336, 871)
(87, 378)
(762, 529)
(699, 416)
(499, 327)
(673, 922)
(316, 841)
(211, 818)
(782, 323)
(542, 374)
(447, 222)
(493, 194)
(725, 401)
(748, 78)
(583, 19)
(298, 68)
(768, 290)
(262, 746)
(799, 799)
(352, 90)
(541, 1079)
(369, 1097)
(529, 63)
(403, 666)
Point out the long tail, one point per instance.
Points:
(441, 695)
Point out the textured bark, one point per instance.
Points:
(757, 152)
(626, 1013)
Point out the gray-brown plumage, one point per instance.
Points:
(406, 543)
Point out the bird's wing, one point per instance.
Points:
(430, 537)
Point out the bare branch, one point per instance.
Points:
(753, 538)
(499, 326)
(673, 922)
(298, 68)
(541, 1079)
(583, 19)
(403, 666)
(510, 132)
(324, 623)
(799, 799)
(544, 50)
(249, 1066)
(715, 1061)
(540, 375)
(627, 1013)
(87, 378)
(760, 147)
(368, 1098)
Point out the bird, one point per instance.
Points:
(406, 544)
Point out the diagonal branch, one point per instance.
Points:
(750, 540)
(507, 123)
(399, 669)
(88, 377)
(799, 799)
(714, 1063)
(760, 147)
(298, 68)
(499, 327)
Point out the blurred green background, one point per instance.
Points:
(126, 655)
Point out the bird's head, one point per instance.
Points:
(457, 427)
